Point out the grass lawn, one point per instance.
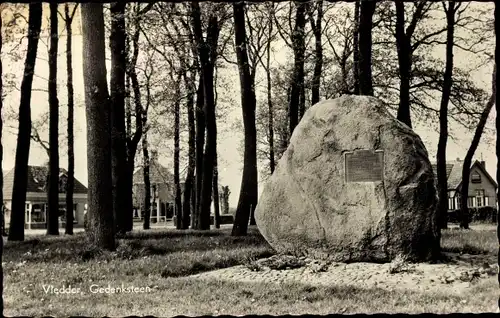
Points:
(161, 260)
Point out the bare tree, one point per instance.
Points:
(366, 11)
(16, 231)
(188, 207)
(410, 80)
(224, 198)
(297, 83)
(2, 207)
(316, 26)
(269, 91)
(356, 46)
(497, 147)
(117, 98)
(147, 182)
(464, 191)
(177, 118)
(200, 142)
(70, 185)
(342, 42)
(442, 185)
(100, 194)
(207, 54)
(141, 112)
(248, 193)
(405, 54)
(53, 177)
(217, 218)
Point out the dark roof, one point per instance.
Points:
(37, 176)
(454, 172)
(483, 169)
(158, 174)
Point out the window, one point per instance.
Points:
(38, 213)
(475, 177)
(62, 212)
(470, 202)
(451, 200)
(480, 197)
(451, 204)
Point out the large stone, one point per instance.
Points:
(309, 206)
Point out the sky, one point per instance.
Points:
(229, 139)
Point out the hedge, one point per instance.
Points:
(481, 214)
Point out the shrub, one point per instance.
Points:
(481, 214)
(224, 219)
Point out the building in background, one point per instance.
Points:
(162, 191)
(482, 187)
(36, 198)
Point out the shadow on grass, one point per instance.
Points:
(177, 253)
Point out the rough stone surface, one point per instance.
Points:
(308, 208)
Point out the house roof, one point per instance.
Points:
(454, 172)
(37, 176)
(158, 174)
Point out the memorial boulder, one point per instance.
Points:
(355, 184)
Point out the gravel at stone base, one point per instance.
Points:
(450, 278)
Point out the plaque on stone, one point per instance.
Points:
(364, 166)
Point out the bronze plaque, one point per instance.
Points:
(364, 166)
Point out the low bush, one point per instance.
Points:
(224, 219)
(482, 214)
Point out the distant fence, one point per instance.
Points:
(485, 214)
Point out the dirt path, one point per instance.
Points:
(455, 277)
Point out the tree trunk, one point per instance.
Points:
(298, 40)
(404, 59)
(497, 146)
(147, 183)
(248, 193)
(367, 9)
(464, 191)
(207, 65)
(200, 143)
(2, 207)
(217, 219)
(53, 184)
(153, 200)
(131, 149)
(100, 207)
(193, 204)
(270, 115)
(344, 71)
(318, 54)
(128, 221)
(302, 102)
(225, 199)
(177, 115)
(187, 208)
(118, 133)
(128, 106)
(140, 119)
(18, 210)
(443, 120)
(355, 44)
(70, 186)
